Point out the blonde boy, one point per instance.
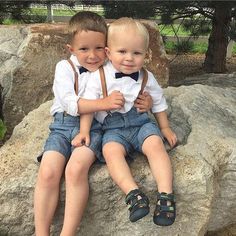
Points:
(127, 130)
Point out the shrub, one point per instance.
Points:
(3, 130)
(184, 46)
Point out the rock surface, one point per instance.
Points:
(28, 55)
(204, 164)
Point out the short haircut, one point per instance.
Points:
(86, 21)
(126, 23)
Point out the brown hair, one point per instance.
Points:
(87, 21)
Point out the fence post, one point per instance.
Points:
(50, 13)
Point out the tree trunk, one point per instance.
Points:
(215, 60)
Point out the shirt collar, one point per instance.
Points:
(75, 60)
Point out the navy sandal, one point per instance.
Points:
(139, 204)
(165, 212)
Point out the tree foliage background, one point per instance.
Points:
(200, 17)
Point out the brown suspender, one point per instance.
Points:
(104, 86)
(103, 81)
(144, 82)
(76, 84)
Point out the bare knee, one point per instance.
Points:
(153, 143)
(48, 177)
(113, 149)
(77, 172)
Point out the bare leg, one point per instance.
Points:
(47, 191)
(77, 188)
(159, 161)
(114, 154)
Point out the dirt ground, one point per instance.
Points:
(189, 65)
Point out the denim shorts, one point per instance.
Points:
(62, 131)
(130, 130)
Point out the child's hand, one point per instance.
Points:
(170, 136)
(144, 102)
(115, 100)
(80, 140)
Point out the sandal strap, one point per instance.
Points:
(132, 195)
(132, 198)
(161, 208)
(167, 197)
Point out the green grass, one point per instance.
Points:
(169, 31)
(56, 12)
(197, 48)
(61, 12)
(11, 22)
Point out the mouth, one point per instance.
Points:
(128, 66)
(93, 63)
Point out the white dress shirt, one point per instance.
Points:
(63, 87)
(127, 86)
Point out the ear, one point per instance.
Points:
(107, 51)
(69, 47)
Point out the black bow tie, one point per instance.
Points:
(82, 70)
(134, 75)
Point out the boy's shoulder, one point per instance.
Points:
(62, 62)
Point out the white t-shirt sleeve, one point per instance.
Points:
(156, 92)
(63, 88)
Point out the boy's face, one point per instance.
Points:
(89, 48)
(127, 51)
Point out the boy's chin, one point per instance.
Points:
(92, 69)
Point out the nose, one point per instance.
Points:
(129, 56)
(92, 54)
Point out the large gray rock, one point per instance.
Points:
(204, 166)
(28, 55)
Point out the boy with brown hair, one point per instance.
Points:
(87, 40)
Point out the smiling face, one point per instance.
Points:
(89, 48)
(126, 49)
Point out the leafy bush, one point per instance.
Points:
(171, 47)
(184, 46)
(3, 130)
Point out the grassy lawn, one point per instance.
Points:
(196, 48)
(56, 12)
(168, 30)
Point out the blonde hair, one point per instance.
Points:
(126, 23)
(86, 21)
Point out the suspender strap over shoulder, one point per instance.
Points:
(76, 84)
(144, 82)
(103, 81)
(104, 86)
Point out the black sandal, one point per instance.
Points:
(165, 211)
(139, 204)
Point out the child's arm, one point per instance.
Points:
(161, 118)
(144, 102)
(83, 137)
(114, 101)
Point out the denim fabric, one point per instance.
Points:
(64, 129)
(123, 120)
(130, 130)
